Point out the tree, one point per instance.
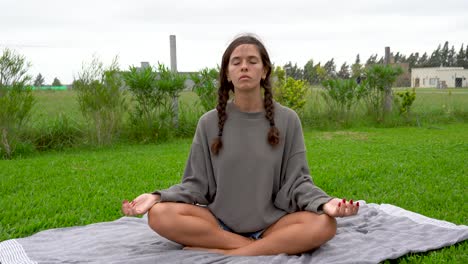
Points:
(423, 61)
(344, 71)
(452, 57)
(314, 74)
(413, 60)
(56, 82)
(466, 57)
(321, 74)
(293, 71)
(461, 57)
(330, 69)
(16, 99)
(436, 58)
(309, 72)
(444, 55)
(39, 81)
(356, 68)
(372, 60)
(397, 58)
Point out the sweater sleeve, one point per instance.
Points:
(297, 191)
(197, 186)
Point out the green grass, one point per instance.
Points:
(50, 103)
(431, 106)
(422, 169)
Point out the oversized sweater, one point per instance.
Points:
(250, 184)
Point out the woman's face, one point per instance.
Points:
(245, 69)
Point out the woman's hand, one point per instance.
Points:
(140, 205)
(340, 208)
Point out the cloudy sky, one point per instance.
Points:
(57, 36)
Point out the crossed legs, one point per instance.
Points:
(196, 227)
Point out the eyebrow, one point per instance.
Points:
(248, 57)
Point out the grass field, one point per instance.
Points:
(422, 169)
(435, 102)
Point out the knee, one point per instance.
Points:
(160, 215)
(329, 226)
(324, 223)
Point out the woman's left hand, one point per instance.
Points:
(340, 207)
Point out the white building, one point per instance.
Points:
(439, 77)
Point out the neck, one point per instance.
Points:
(249, 102)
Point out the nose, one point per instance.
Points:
(244, 66)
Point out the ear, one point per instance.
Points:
(264, 73)
(227, 76)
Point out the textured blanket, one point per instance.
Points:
(377, 233)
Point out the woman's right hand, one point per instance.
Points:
(140, 205)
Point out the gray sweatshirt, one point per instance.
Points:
(249, 185)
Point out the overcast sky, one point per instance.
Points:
(57, 36)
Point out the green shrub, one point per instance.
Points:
(101, 100)
(378, 79)
(154, 94)
(291, 93)
(205, 86)
(61, 133)
(188, 119)
(407, 99)
(16, 100)
(340, 95)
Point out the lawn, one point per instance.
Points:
(422, 169)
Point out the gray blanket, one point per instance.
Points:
(377, 233)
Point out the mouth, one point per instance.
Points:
(244, 77)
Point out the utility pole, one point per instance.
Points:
(175, 102)
(387, 107)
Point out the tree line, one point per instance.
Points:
(316, 73)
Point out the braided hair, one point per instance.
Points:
(226, 86)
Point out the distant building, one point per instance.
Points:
(439, 77)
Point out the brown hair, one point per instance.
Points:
(226, 86)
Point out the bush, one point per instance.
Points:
(205, 86)
(340, 95)
(379, 80)
(291, 93)
(101, 100)
(16, 100)
(407, 99)
(61, 133)
(188, 119)
(154, 94)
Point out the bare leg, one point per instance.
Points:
(193, 226)
(293, 234)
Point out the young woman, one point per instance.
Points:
(246, 188)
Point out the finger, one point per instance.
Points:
(338, 209)
(356, 208)
(342, 209)
(126, 209)
(345, 209)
